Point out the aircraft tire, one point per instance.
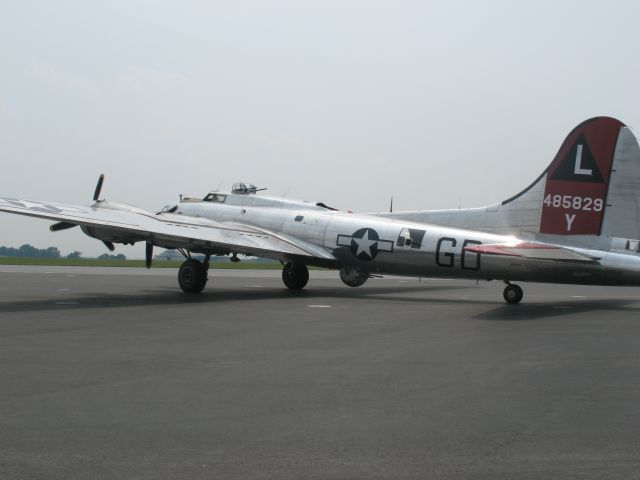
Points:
(295, 276)
(513, 294)
(353, 278)
(192, 276)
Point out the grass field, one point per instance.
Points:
(95, 262)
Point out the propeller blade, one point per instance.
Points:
(56, 227)
(148, 254)
(391, 206)
(109, 245)
(96, 194)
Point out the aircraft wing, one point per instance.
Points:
(535, 251)
(126, 224)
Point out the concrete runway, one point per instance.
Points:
(113, 373)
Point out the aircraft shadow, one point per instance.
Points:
(159, 297)
(170, 297)
(534, 311)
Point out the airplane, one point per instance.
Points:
(577, 223)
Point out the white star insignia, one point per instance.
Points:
(364, 244)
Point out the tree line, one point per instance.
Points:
(29, 251)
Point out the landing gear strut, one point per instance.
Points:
(192, 275)
(295, 276)
(512, 293)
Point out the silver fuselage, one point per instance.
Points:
(377, 245)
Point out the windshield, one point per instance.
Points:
(215, 197)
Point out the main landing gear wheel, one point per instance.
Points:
(353, 277)
(192, 276)
(295, 276)
(512, 293)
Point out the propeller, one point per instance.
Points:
(96, 194)
(391, 206)
(109, 245)
(148, 254)
(56, 227)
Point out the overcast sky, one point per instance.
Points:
(438, 104)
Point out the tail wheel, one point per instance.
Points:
(512, 293)
(192, 276)
(295, 276)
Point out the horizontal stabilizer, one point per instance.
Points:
(536, 251)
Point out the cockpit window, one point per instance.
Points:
(215, 197)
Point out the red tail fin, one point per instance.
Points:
(577, 180)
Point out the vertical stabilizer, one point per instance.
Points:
(590, 190)
(577, 180)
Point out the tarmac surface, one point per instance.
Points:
(114, 373)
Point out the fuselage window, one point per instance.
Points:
(299, 218)
(404, 239)
(410, 237)
(416, 237)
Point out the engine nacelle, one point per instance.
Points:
(122, 207)
(107, 235)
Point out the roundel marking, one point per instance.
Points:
(364, 244)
